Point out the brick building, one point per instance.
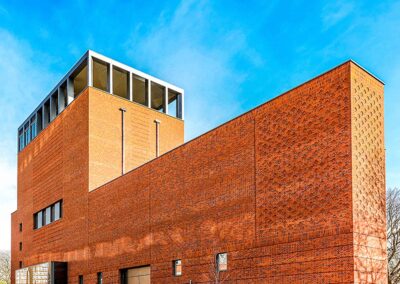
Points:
(292, 191)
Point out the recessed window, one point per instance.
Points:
(99, 277)
(47, 215)
(20, 227)
(79, 78)
(120, 83)
(157, 97)
(177, 267)
(139, 89)
(100, 75)
(222, 261)
(33, 127)
(20, 246)
(20, 264)
(80, 279)
(21, 139)
(46, 113)
(39, 125)
(173, 103)
(27, 133)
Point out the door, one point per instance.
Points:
(137, 275)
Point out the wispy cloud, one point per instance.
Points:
(21, 80)
(336, 11)
(180, 48)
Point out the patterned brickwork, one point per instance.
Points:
(368, 178)
(284, 189)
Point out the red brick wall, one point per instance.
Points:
(274, 188)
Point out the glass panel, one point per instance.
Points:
(157, 97)
(222, 260)
(139, 89)
(47, 216)
(100, 75)
(39, 219)
(120, 83)
(178, 267)
(21, 140)
(173, 103)
(80, 79)
(33, 127)
(39, 120)
(100, 278)
(57, 211)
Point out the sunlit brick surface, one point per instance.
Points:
(293, 191)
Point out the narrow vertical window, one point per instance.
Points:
(20, 264)
(139, 90)
(157, 97)
(20, 246)
(99, 277)
(80, 280)
(47, 216)
(21, 139)
(100, 75)
(33, 127)
(20, 227)
(39, 222)
(120, 82)
(57, 211)
(222, 261)
(177, 267)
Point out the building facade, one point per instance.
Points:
(292, 191)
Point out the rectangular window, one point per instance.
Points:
(33, 127)
(120, 83)
(20, 264)
(177, 267)
(21, 139)
(100, 75)
(27, 133)
(139, 89)
(20, 246)
(157, 97)
(20, 227)
(39, 216)
(46, 114)
(173, 103)
(57, 211)
(39, 122)
(79, 79)
(99, 277)
(80, 280)
(47, 216)
(222, 261)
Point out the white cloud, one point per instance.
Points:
(336, 11)
(181, 49)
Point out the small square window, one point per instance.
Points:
(222, 261)
(177, 267)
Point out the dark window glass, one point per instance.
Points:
(20, 246)
(120, 83)
(157, 97)
(222, 261)
(100, 75)
(20, 264)
(139, 90)
(177, 266)
(99, 277)
(80, 279)
(21, 140)
(20, 227)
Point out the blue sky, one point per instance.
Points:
(229, 56)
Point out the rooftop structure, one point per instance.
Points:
(98, 71)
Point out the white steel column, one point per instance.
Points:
(149, 93)
(166, 100)
(90, 71)
(110, 79)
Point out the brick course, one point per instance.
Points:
(285, 189)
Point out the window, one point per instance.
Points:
(173, 103)
(80, 279)
(139, 90)
(157, 97)
(47, 215)
(120, 83)
(177, 267)
(39, 121)
(27, 134)
(20, 246)
(33, 127)
(20, 264)
(21, 139)
(222, 261)
(20, 227)
(99, 277)
(46, 114)
(79, 78)
(100, 75)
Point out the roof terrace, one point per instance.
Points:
(98, 71)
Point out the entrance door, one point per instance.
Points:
(137, 275)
